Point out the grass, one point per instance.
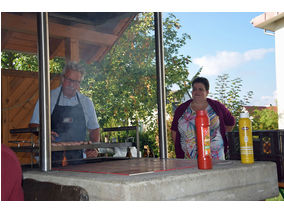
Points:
(279, 198)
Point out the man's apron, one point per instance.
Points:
(69, 122)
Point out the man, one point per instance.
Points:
(72, 114)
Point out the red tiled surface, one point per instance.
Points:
(131, 167)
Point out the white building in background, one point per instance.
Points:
(274, 22)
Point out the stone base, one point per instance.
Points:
(228, 180)
(46, 191)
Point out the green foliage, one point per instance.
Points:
(228, 91)
(265, 119)
(279, 198)
(149, 138)
(28, 62)
(123, 85)
(19, 61)
(171, 144)
(56, 65)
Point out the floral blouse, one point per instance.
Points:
(186, 127)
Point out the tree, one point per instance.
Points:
(123, 85)
(228, 92)
(265, 119)
(19, 61)
(28, 62)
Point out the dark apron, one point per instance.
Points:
(69, 122)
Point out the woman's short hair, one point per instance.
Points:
(74, 66)
(202, 80)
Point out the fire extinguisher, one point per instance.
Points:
(203, 140)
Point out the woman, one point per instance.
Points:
(183, 125)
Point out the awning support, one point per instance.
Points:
(161, 92)
(44, 92)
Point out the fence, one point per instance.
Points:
(19, 93)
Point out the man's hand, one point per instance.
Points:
(53, 136)
(94, 137)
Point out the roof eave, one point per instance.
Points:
(268, 20)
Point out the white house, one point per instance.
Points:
(274, 22)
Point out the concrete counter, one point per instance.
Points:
(171, 179)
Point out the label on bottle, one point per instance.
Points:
(246, 142)
(206, 136)
(246, 150)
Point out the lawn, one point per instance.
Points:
(279, 198)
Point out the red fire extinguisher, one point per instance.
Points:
(203, 140)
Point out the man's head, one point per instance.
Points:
(72, 76)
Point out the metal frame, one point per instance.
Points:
(161, 92)
(44, 92)
(126, 128)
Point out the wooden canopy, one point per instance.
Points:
(75, 36)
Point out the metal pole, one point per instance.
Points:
(44, 92)
(161, 92)
(137, 141)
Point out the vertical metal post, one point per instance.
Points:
(44, 91)
(137, 141)
(161, 92)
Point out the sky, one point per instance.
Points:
(226, 42)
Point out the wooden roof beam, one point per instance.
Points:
(19, 23)
(55, 47)
(5, 37)
(72, 52)
(96, 56)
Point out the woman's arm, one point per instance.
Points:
(229, 119)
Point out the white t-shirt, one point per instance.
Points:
(87, 105)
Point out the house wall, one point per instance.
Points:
(279, 62)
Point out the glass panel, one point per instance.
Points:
(117, 51)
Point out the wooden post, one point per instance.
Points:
(72, 50)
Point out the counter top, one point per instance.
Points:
(169, 179)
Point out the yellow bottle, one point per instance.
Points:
(246, 143)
